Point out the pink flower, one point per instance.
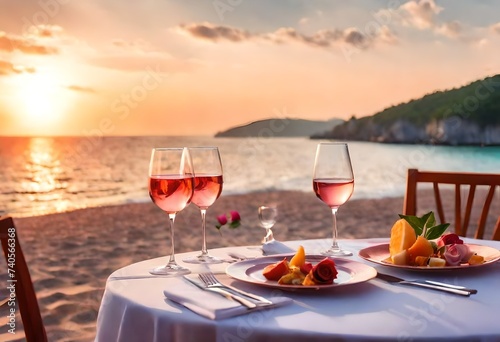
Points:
(235, 220)
(235, 216)
(456, 254)
(449, 239)
(222, 219)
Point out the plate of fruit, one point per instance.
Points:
(417, 243)
(300, 271)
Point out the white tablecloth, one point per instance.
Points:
(134, 308)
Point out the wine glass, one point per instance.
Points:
(267, 218)
(333, 183)
(207, 188)
(171, 186)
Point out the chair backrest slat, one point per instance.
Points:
(458, 214)
(439, 204)
(484, 213)
(496, 232)
(468, 210)
(472, 180)
(34, 329)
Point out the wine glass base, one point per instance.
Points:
(336, 252)
(170, 270)
(203, 259)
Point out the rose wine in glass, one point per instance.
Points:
(207, 188)
(333, 183)
(267, 218)
(171, 186)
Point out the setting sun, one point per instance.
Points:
(39, 100)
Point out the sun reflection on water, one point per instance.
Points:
(44, 181)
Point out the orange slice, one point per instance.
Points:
(299, 258)
(402, 237)
(421, 248)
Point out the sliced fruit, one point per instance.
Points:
(299, 258)
(402, 237)
(295, 277)
(306, 268)
(422, 247)
(401, 258)
(437, 262)
(276, 271)
(476, 259)
(421, 261)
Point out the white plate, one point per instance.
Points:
(379, 254)
(349, 272)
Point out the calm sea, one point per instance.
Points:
(47, 175)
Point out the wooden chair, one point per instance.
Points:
(491, 181)
(34, 329)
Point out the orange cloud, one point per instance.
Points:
(46, 31)
(163, 64)
(140, 55)
(7, 68)
(81, 89)
(12, 43)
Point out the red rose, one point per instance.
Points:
(324, 272)
(222, 219)
(235, 216)
(449, 239)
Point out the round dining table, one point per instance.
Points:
(135, 307)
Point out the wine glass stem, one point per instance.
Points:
(269, 235)
(204, 250)
(172, 248)
(335, 245)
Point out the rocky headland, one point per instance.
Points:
(469, 115)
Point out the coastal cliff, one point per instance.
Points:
(469, 115)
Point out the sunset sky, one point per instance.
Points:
(186, 67)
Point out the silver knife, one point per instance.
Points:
(430, 285)
(224, 293)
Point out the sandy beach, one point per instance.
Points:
(71, 254)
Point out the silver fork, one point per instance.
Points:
(211, 281)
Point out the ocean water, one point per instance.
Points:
(47, 175)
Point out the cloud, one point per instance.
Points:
(423, 15)
(451, 29)
(7, 68)
(420, 13)
(160, 62)
(304, 21)
(10, 43)
(139, 55)
(216, 32)
(286, 35)
(81, 89)
(495, 28)
(45, 31)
